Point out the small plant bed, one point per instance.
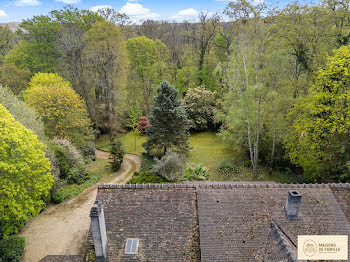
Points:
(146, 177)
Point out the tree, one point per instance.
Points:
(6, 41)
(203, 36)
(105, 51)
(168, 123)
(319, 138)
(62, 110)
(25, 174)
(22, 113)
(199, 104)
(148, 62)
(117, 153)
(14, 78)
(74, 23)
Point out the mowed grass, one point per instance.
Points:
(128, 140)
(209, 149)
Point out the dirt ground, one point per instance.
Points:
(62, 229)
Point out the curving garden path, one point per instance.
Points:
(62, 229)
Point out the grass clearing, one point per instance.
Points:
(209, 149)
(128, 140)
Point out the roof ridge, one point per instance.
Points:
(220, 185)
(143, 186)
(282, 241)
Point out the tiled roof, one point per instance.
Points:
(237, 221)
(163, 219)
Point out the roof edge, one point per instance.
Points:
(219, 185)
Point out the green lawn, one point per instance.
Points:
(128, 141)
(206, 148)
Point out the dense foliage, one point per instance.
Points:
(12, 249)
(319, 136)
(241, 73)
(60, 107)
(147, 177)
(25, 174)
(22, 112)
(196, 173)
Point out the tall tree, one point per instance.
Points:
(202, 36)
(148, 60)
(105, 51)
(169, 124)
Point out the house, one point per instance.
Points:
(213, 221)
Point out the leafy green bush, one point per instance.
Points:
(170, 166)
(12, 248)
(227, 168)
(77, 175)
(56, 197)
(88, 150)
(146, 177)
(68, 156)
(147, 162)
(64, 162)
(196, 173)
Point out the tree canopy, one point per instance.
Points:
(319, 137)
(62, 110)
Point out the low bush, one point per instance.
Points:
(227, 168)
(147, 162)
(146, 177)
(12, 248)
(171, 166)
(196, 173)
(77, 175)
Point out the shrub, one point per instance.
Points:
(25, 173)
(147, 162)
(196, 173)
(55, 196)
(116, 154)
(171, 166)
(12, 248)
(143, 124)
(77, 175)
(68, 156)
(146, 177)
(227, 168)
(199, 104)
